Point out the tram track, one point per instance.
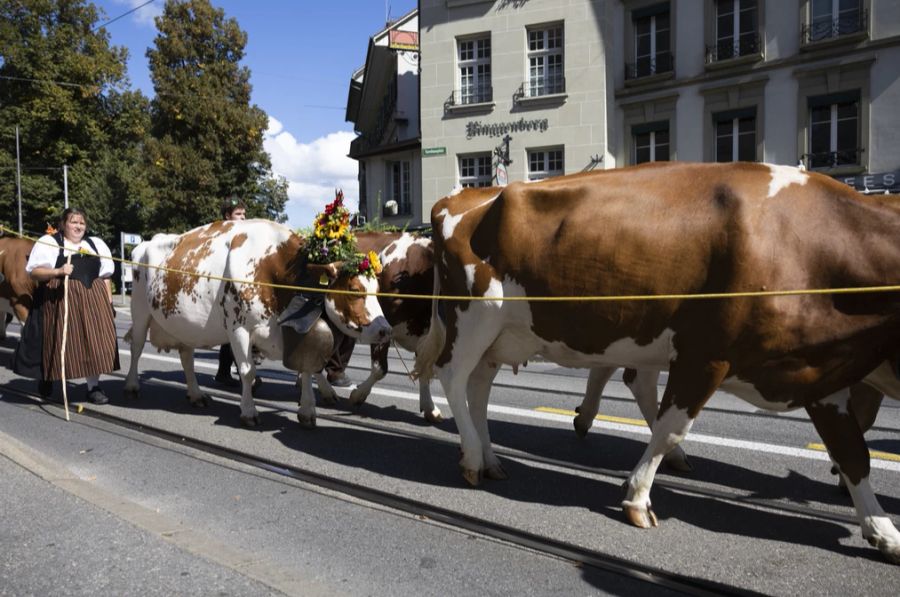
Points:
(578, 555)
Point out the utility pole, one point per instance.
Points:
(66, 186)
(19, 180)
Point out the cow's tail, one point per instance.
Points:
(431, 346)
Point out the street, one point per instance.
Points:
(759, 512)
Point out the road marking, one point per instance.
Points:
(629, 427)
(872, 453)
(607, 418)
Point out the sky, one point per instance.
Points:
(301, 54)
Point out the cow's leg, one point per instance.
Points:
(379, 369)
(194, 394)
(306, 409)
(479, 391)
(864, 403)
(246, 368)
(326, 391)
(642, 384)
(426, 404)
(691, 383)
(140, 325)
(835, 421)
(590, 404)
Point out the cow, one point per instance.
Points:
(16, 287)
(223, 282)
(704, 229)
(407, 268)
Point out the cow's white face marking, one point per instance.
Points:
(378, 329)
(784, 176)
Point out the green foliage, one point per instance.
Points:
(65, 88)
(207, 138)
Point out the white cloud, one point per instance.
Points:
(313, 170)
(145, 14)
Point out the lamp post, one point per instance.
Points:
(19, 180)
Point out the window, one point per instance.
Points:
(475, 71)
(544, 163)
(545, 61)
(834, 131)
(400, 187)
(652, 37)
(736, 30)
(736, 136)
(832, 18)
(651, 142)
(475, 170)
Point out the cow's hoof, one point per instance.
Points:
(203, 400)
(640, 517)
(250, 422)
(496, 473)
(357, 397)
(306, 422)
(581, 430)
(472, 477)
(678, 460)
(434, 417)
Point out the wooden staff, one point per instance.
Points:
(62, 356)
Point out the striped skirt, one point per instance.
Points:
(91, 347)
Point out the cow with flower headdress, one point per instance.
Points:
(237, 281)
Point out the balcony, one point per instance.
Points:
(541, 86)
(833, 159)
(473, 94)
(845, 25)
(662, 63)
(729, 49)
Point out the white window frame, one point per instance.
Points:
(737, 7)
(473, 72)
(545, 54)
(475, 170)
(833, 133)
(653, 145)
(735, 137)
(654, 53)
(399, 173)
(550, 161)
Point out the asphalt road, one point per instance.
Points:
(760, 511)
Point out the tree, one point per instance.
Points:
(66, 89)
(207, 139)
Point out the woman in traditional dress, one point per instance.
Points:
(91, 347)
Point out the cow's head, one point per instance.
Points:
(357, 315)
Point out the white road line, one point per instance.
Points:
(699, 438)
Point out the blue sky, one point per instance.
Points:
(301, 54)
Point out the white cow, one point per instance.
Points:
(212, 285)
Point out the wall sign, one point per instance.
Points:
(429, 151)
(881, 181)
(475, 128)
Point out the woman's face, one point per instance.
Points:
(74, 227)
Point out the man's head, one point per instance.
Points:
(234, 209)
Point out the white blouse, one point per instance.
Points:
(46, 252)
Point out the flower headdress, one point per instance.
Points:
(332, 240)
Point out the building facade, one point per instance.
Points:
(383, 105)
(525, 89)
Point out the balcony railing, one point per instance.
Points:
(727, 49)
(663, 62)
(478, 94)
(832, 159)
(538, 86)
(845, 24)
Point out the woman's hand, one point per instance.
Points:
(65, 270)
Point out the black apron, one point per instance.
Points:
(28, 359)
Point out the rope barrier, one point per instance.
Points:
(606, 298)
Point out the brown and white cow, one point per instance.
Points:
(407, 268)
(704, 228)
(17, 287)
(233, 300)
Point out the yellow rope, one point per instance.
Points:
(536, 299)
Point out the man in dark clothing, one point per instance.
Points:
(336, 366)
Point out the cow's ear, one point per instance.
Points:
(325, 273)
